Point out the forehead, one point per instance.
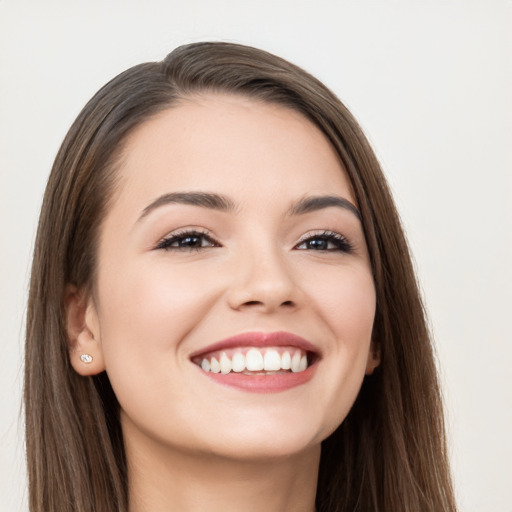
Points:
(231, 145)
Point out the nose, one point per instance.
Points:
(264, 282)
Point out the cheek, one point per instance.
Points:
(144, 319)
(345, 299)
(154, 304)
(345, 303)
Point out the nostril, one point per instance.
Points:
(252, 303)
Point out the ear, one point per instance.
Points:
(373, 357)
(83, 333)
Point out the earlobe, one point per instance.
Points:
(83, 334)
(373, 358)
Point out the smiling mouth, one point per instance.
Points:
(255, 360)
(263, 362)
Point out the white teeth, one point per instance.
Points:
(295, 362)
(286, 361)
(272, 360)
(225, 363)
(215, 365)
(238, 362)
(254, 360)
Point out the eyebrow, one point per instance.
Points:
(202, 199)
(223, 203)
(311, 204)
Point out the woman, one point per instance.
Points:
(223, 312)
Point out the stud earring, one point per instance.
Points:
(86, 358)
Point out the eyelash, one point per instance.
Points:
(339, 242)
(180, 236)
(330, 237)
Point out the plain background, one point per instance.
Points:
(430, 82)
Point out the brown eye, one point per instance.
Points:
(186, 240)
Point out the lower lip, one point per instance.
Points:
(263, 383)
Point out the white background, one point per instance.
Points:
(430, 81)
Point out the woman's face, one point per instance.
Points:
(232, 242)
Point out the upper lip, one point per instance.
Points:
(259, 339)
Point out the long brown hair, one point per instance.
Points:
(389, 454)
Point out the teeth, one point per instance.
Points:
(215, 365)
(256, 360)
(238, 362)
(286, 361)
(272, 360)
(295, 362)
(225, 363)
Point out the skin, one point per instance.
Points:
(193, 444)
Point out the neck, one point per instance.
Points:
(169, 480)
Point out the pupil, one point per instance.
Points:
(190, 241)
(318, 244)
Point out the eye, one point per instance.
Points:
(186, 240)
(325, 241)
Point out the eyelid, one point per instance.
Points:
(319, 232)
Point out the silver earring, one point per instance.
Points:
(86, 358)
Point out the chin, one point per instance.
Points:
(267, 438)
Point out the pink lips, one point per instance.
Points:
(261, 383)
(258, 339)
